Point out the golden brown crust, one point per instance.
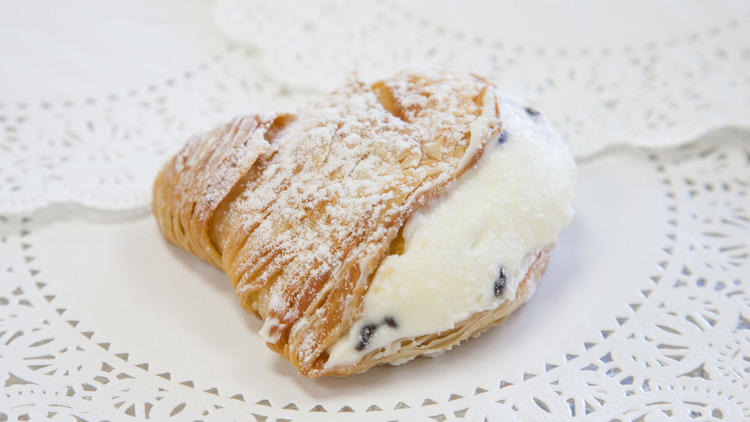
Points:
(299, 209)
(193, 183)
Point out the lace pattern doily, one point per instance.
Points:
(664, 84)
(661, 334)
(676, 82)
(674, 347)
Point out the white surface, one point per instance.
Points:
(92, 48)
(643, 316)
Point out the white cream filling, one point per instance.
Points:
(514, 201)
(265, 331)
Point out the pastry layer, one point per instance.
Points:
(467, 252)
(300, 208)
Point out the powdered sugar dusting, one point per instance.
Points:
(321, 199)
(203, 173)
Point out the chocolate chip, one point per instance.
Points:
(364, 336)
(503, 137)
(531, 111)
(500, 282)
(389, 321)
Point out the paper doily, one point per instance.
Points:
(87, 118)
(606, 75)
(643, 316)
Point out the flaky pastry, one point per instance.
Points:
(367, 227)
